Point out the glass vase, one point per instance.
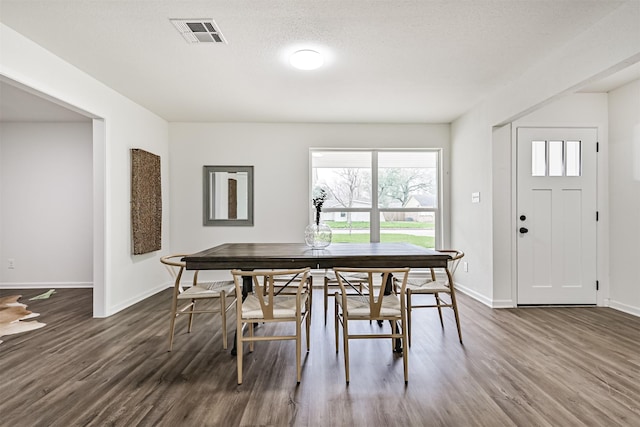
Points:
(317, 236)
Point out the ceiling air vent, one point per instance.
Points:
(199, 30)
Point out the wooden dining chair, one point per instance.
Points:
(223, 290)
(330, 282)
(439, 284)
(276, 296)
(381, 300)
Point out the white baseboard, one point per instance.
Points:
(484, 300)
(45, 285)
(625, 308)
(136, 299)
(473, 294)
(503, 303)
(635, 311)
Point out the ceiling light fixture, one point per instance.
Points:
(306, 59)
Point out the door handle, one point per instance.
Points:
(524, 230)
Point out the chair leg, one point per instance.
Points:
(298, 347)
(393, 324)
(250, 326)
(409, 315)
(172, 325)
(345, 339)
(193, 308)
(326, 299)
(438, 303)
(223, 313)
(174, 315)
(308, 324)
(239, 349)
(335, 319)
(405, 352)
(454, 304)
(310, 299)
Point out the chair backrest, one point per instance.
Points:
(380, 282)
(175, 266)
(456, 256)
(268, 284)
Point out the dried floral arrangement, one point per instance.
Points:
(319, 199)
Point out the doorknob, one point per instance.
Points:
(524, 230)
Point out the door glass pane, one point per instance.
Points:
(556, 157)
(538, 158)
(345, 175)
(407, 179)
(574, 162)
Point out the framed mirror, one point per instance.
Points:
(228, 195)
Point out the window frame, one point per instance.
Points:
(375, 210)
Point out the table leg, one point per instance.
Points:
(247, 288)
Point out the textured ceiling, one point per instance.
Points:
(385, 61)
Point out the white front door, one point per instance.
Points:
(556, 209)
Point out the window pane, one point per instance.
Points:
(348, 227)
(410, 227)
(556, 158)
(346, 175)
(574, 162)
(407, 179)
(538, 158)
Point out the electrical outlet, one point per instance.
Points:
(465, 266)
(11, 263)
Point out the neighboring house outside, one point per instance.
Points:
(415, 201)
(420, 201)
(344, 216)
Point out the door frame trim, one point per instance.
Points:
(602, 226)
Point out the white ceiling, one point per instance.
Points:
(414, 61)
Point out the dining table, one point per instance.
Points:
(254, 256)
(251, 256)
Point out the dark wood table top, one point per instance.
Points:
(298, 255)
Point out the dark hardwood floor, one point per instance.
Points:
(518, 367)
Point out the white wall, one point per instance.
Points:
(624, 195)
(609, 45)
(280, 156)
(120, 279)
(47, 210)
(471, 223)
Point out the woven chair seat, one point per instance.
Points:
(358, 306)
(427, 286)
(208, 290)
(283, 307)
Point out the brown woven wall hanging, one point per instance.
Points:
(146, 201)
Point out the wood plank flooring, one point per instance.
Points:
(517, 367)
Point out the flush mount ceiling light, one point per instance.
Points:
(306, 59)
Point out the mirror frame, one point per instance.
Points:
(209, 196)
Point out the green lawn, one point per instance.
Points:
(425, 241)
(364, 225)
